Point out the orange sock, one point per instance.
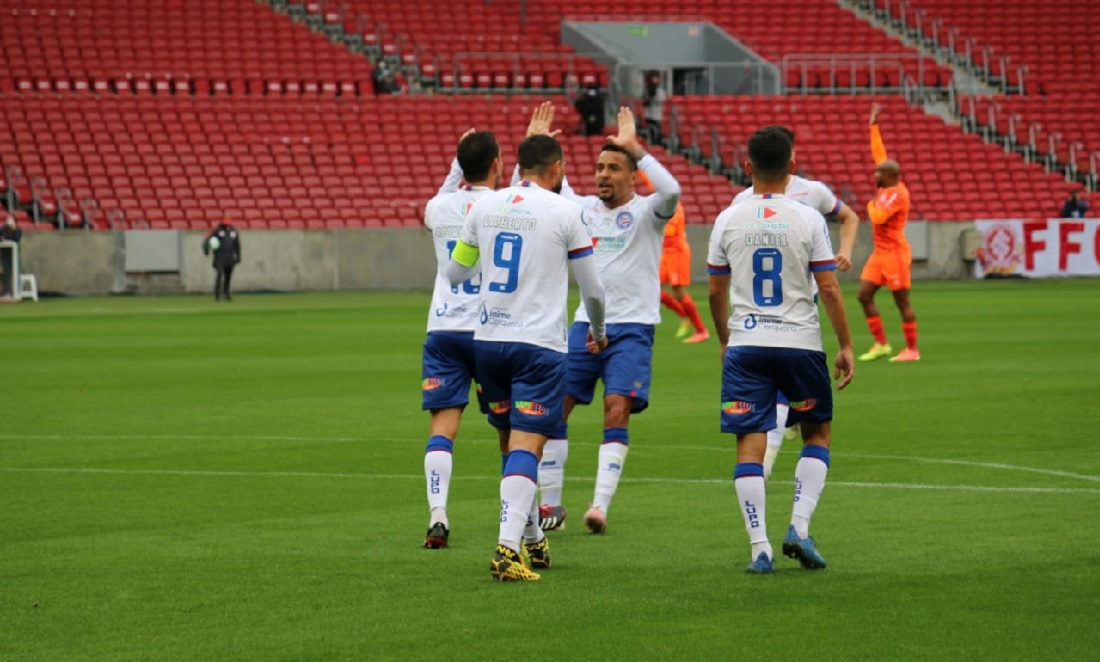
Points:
(672, 304)
(910, 331)
(875, 325)
(692, 313)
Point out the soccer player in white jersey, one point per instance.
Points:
(448, 358)
(627, 233)
(529, 236)
(818, 196)
(766, 254)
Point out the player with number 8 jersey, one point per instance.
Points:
(766, 255)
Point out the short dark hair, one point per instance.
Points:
(786, 130)
(538, 152)
(770, 153)
(476, 154)
(612, 147)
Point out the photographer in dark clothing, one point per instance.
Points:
(225, 243)
(590, 106)
(653, 98)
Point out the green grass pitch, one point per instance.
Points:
(186, 480)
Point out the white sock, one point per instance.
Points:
(612, 457)
(437, 472)
(809, 482)
(750, 498)
(775, 439)
(531, 531)
(552, 471)
(517, 493)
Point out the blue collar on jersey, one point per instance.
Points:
(767, 196)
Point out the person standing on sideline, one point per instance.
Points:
(890, 260)
(676, 273)
(448, 358)
(762, 254)
(225, 243)
(530, 236)
(627, 232)
(13, 233)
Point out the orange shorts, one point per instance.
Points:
(889, 268)
(676, 267)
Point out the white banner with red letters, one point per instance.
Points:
(1039, 248)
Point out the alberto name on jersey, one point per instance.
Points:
(771, 245)
(454, 307)
(524, 235)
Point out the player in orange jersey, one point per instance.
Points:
(676, 273)
(890, 260)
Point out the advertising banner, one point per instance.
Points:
(1039, 248)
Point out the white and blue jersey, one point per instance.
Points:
(811, 193)
(526, 237)
(454, 307)
(770, 245)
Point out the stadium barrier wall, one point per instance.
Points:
(84, 263)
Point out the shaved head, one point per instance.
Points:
(887, 173)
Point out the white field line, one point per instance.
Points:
(364, 476)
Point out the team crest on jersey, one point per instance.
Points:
(763, 213)
(803, 405)
(624, 220)
(530, 408)
(431, 384)
(736, 407)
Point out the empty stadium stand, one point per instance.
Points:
(951, 175)
(182, 162)
(165, 48)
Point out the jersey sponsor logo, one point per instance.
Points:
(624, 220)
(763, 213)
(440, 312)
(803, 405)
(431, 383)
(466, 208)
(515, 199)
(502, 407)
(737, 407)
(530, 408)
(750, 322)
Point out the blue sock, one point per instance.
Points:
(816, 452)
(617, 436)
(439, 443)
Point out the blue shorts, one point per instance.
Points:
(524, 385)
(447, 370)
(625, 367)
(753, 376)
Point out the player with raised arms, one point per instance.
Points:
(447, 366)
(627, 233)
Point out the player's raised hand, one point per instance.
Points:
(627, 136)
(845, 366)
(542, 120)
(876, 108)
(595, 346)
